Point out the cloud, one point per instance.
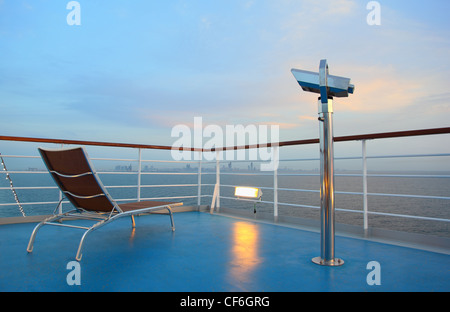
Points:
(391, 88)
(332, 7)
(381, 89)
(305, 117)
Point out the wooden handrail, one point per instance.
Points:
(358, 137)
(80, 142)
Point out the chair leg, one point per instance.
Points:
(80, 246)
(171, 218)
(94, 227)
(33, 236)
(133, 224)
(36, 229)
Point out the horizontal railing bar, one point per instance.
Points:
(348, 193)
(146, 160)
(121, 186)
(371, 175)
(408, 216)
(299, 174)
(396, 134)
(107, 186)
(170, 197)
(256, 160)
(408, 155)
(269, 202)
(408, 175)
(374, 156)
(115, 159)
(346, 210)
(31, 188)
(19, 156)
(81, 142)
(235, 161)
(410, 196)
(171, 161)
(225, 185)
(111, 159)
(301, 159)
(32, 203)
(298, 190)
(299, 205)
(360, 137)
(245, 173)
(24, 171)
(147, 185)
(117, 172)
(317, 159)
(168, 185)
(261, 187)
(108, 172)
(254, 174)
(169, 173)
(148, 173)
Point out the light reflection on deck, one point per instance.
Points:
(244, 250)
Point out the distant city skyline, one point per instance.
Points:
(130, 71)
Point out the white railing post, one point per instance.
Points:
(218, 179)
(365, 208)
(275, 186)
(60, 208)
(139, 174)
(199, 181)
(60, 202)
(216, 196)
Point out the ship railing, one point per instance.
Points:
(214, 199)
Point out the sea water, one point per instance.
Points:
(308, 198)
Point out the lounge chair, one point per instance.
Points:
(74, 174)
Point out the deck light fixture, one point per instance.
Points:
(248, 193)
(327, 86)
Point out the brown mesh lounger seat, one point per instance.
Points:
(75, 176)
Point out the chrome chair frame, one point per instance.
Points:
(103, 218)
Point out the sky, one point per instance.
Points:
(133, 70)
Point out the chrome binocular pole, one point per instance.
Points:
(328, 86)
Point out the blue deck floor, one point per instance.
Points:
(208, 253)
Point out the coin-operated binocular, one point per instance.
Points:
(327, 86)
